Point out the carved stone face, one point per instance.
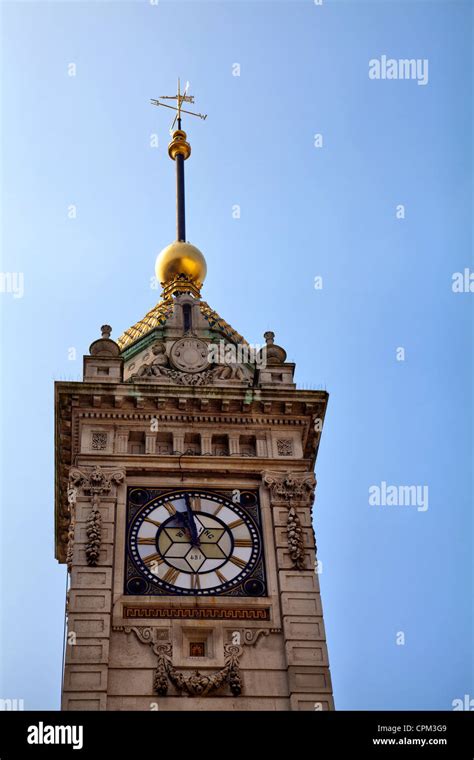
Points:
(158, 348)
(189, 355)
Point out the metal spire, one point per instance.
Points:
(179, 150)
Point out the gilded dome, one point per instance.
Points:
(181, 258)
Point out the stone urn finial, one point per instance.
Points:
(104, 346)
(271, 353)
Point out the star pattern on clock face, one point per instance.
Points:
(175, 547)
(194, 542)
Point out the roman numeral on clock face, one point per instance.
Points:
(153, 522)
(156, 559)
(235, 524)
(237, 561)
(171, 575)
(195, 581)
(221, 576)
(146, 541)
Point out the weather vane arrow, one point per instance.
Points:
(180, 97)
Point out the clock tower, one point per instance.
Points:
(184, 492)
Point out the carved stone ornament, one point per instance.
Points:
(289, 488)
(189, 354)
(295, 539)
(95, 483)
(196, 685)
(71, 498)
(227, 373)
(199, 685)
(191, 365)
(285, 447)
(94, 537)
(188, 378)
(99, 441)
(159, 364)
(250, 636)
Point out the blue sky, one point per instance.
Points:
(305, 212)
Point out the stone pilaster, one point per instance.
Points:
(121, 442)
(150, 443)
(234, 448)
(178, 442)
(92, 496)
(309, 680)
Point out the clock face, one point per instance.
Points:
(194, 542)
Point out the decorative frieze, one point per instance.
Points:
(197, 613)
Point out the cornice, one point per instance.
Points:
(193, 417)
(154, 463)
(131, 390)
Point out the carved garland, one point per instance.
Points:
(295, 539)
(94, 536)
(71, 498)
(198, 684)
(286, 488)
(95, 483)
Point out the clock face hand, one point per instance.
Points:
(191, 522)
(183, 519)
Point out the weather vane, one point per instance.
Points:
(180, 99)
(179, 150)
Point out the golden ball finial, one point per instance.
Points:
(178, 145)
(181, 266)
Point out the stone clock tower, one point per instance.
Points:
(184, 492)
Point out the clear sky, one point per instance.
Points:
(306, 212)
